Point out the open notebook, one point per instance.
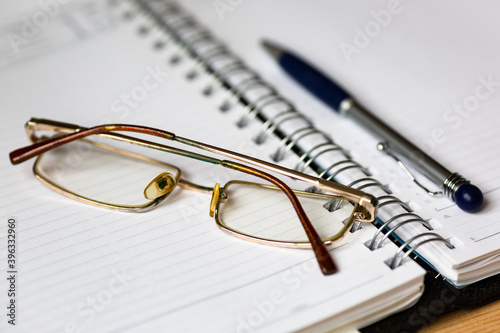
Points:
(174, 267)
(81, 268)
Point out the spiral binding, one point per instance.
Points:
(411, 217)
(291, 140)
(260, 103)
(271, 124)
(180, 28)
(307, 158)
(400, 255)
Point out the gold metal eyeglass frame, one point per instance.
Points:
(365, 205)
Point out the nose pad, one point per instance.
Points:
(163, 184)
(215, 199)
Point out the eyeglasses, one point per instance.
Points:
(90, 165)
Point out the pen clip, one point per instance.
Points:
(384, 147)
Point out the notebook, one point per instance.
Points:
(81, 268)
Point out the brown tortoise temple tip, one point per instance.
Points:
(327, 265)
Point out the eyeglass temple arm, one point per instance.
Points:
(368, 204)
(65, 129)
(25, 153)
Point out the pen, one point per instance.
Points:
(467, 196)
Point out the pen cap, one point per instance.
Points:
(469, 197)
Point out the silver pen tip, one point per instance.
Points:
(274, 50)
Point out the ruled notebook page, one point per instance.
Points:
(82, 268)
(438, 83)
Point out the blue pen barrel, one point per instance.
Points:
(314, 81)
